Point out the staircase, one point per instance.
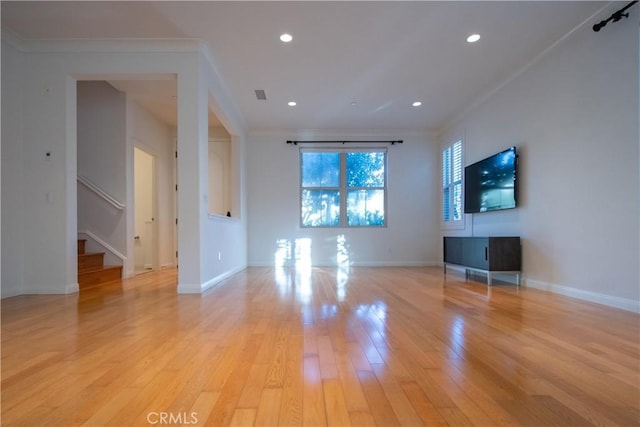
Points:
(91, 268)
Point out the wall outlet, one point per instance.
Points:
(219, 256)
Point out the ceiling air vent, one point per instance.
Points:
(261, 95)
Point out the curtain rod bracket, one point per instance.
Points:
(615, 17)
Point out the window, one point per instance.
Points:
(452, 183)
(343, 188)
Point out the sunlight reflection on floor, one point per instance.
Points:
(298, 253)
(294, 279)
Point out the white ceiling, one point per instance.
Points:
(380, 55)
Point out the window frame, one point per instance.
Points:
(449, 182)
(343, 189)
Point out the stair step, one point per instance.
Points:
(90, 261)
(81, 244)
(98, 276)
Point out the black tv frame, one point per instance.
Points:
(473, 188)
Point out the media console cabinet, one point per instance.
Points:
(484, 254)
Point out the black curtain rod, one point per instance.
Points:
(615, 17)
(399, 141)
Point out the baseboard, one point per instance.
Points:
(608, 300)
(394, 264)
(187, 288)
(11, 293)
(198, 289)
(71, 288)
(363, 264)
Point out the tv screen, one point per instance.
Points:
(491, 184)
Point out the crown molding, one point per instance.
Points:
(112, 45)
(471, 107)
(13, 39)
(136, 45)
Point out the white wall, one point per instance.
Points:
(156, 138)
(49, 72)
(223, 241)
(102, 154)
(102, 135)
(48, 210)
(573, 116)
(12, 172)
(225, 238)
(411, 237)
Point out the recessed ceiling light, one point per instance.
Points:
(417, 104)
(291, 103)
(286, 37)
(473, 38)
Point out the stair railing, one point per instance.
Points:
(100, 192)
(103, 244)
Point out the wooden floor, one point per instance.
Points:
(367, 346)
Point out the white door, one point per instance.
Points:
(145, 246)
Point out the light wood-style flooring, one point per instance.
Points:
(322, 346)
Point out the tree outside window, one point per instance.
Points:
(343, 188)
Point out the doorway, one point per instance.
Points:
(145, 230)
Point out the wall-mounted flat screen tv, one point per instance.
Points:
(491, 184)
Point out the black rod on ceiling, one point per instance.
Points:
(398, 141)
(615, 17)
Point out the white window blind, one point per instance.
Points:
(452, 182)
